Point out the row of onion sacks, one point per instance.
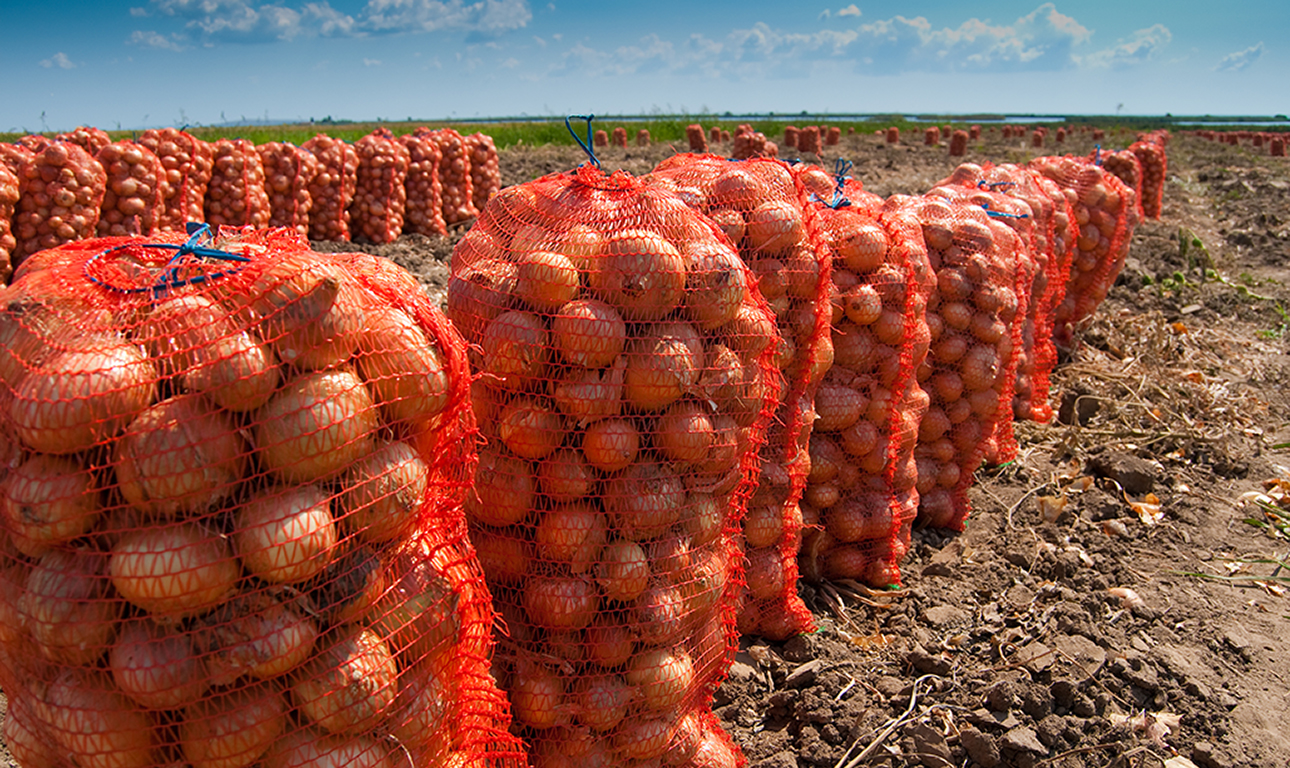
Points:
(230, 513)
(861, 496)
(188, 163)
(61, 188)
(761, 207)
(623, 394)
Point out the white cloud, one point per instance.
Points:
(1235, 62)
(59, 60)
(1146, 44)
(488, 16)
(150, 39)
(371, 62)
(850, 10)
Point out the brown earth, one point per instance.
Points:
(1016, 643)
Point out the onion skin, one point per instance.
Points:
(316, 425)
(156, 667)
(603, 702)
(78, 399)
(174, 571)
(419, 614)
(663, 366)
(47, 501)
(645, 500)
(313, 748)
(640, 273)
(530, 428)
(589, 333)
(422, 710)
(253, 634)
(180, 456)
(503, 489)
(238, 373)
(572, 534)
(536, 696)
(286, 535)
(349, 586)
(350, 684)
(403, 370)
(515, 349)
(611, 444)
(67, 606)
(383, 493)
(233, 729)
(26, 737)
(557, 602)
(623, 571)
(663, 678)
(311, 312)
(716, 284)
(94, 724)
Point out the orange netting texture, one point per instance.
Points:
(188, 162)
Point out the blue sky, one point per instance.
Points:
(142, 63)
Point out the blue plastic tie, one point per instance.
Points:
(586, 147)
(170, 277)
(1002, 215)
(995, 186)
(1097, 158)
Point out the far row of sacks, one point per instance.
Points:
(82, 184)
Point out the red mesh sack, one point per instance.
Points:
(424, 213)
(288, 173)
(861, 497)
(188, 163)
(132, 202)
(485, 171)
(974, 132)
(601, 138)
(642, 138)
(808, 140)
(1099, 134)
(714, 133)
(761, 206)
(1060, 136)
(87, 137)
(332, 188)
(1155, 170)
(8, 200)
(454, 175)
(61, 189)
(931, 136)
(376, 212)
(725, 136)
(1277, 147)
(958, 143)
(833, 137)
(12, 156)
(696, 138)
(619, 139)
(1104, 210)
(1126, 167)
(626, 380)
(749, 143)
(969, 318)
(893, 135)
(790, 136)
(236, 196)
(234, 534)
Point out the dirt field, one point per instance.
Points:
(1017, 642)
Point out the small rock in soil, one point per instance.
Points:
(1023, 739)
(979, 747)
(1135, 475)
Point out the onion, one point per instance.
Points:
(403, 369)
(422, 710)
(837, 407)
(603, 701)
(156, 667)
(174, 570)
(537, 696)
(504, 556)
(572, 534)
(860, 517)
(861, 246)
(515, 347)
(660, 614)
(256, 634)
(312, 748)
(775, 227)
(662, 677)
(179, 456)
(479, 293)
(588, 394)
(530, 428)
(765, 573)
(237, 372)
(609, 643)
(286, 535)
(565, 476)
(419, 614)
(81, 397)
(738, 188)
(826, 456)
(180, 329)
(234, 728)
(26, 738)
(350, 684)
(588, 333)
(95, 725)
(503, 489)
(640, 273)
(980, 367)
(559, 602)
(382, 495)
(611, 444)
(645, 500)
(67, 606)
(763, 525)
(47, 501)
(663, 365)
(311, 313)
(684, 433)
(545, 281)
(704, 518)
(862, 305)
(13, 630)
(349, 585)
(714, 751)
(623, 572)
(859, 440)
(316, 425)
(716, 283)
(642, 740)
(707, 580)
(751, 331)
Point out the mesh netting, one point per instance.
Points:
(232, 525)
(454, 175)
(627, 379)
(1155, 169)
(235, 196)
(376, 212)
(485, 171)
(8, 201)
(89, 138)
(332, 188)
(188, 163)
(424, 212)
(133, 201)
(288, 173)
(61, 188)
(1126, 167)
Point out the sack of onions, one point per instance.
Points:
(1154, 172)
(423, 214)
(8, 201)
(236, 522)
(696, 138)
(860, 499)
(332, 188)
(762, 206)
(89, 138)
(1104, 209)
(236, 196)
(1015, 227)
(376, 212)
(1126, 167)
(626, 379)
(288, 172)
(485, 172)
(454, 175)
(188, 163)
(61, 189)
(132, 204)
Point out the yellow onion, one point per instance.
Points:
(47, 501)
(157, 667)
(588, 333)
(640, 273)
(350, 684)
(255, 634)
(545, 280)
(716, 284)
(503, 489)
(515, 349)
(68, 607)
(382, 494)
(94, 724)
(310, 312)
(27, 738)
(418, 613)
(316, 425)
(587, 394)
(314, 748)
(403, 369)
(662, 366)
(174, 570)
(233, 728)
(286, 535)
